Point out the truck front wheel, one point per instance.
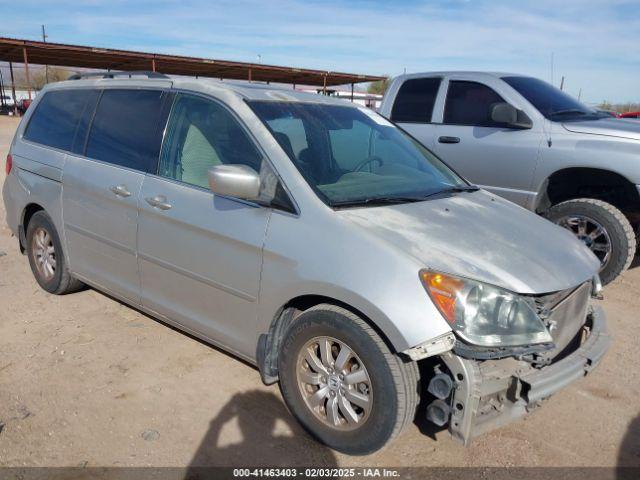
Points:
(601, 227)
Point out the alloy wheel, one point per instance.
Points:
(591, 233)
(44, 253)
(334, 383)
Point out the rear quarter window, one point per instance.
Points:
(125, 128)
(55, 123)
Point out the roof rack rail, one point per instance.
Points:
(130, 74)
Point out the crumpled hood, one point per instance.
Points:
(480, 236)
(613, 127)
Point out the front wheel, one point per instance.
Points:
(342, 383)
(601, 227)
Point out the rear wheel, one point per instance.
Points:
(46, 257)
(342, 383)
(601, 227)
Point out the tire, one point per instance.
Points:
(620, 234)
(46, 257)
(392, 384)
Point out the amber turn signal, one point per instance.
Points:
(443, 290)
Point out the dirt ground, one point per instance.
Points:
(85, 380)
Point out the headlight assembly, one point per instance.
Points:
(483, 314)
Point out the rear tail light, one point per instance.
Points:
(9, 164)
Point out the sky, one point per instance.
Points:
(594, 44)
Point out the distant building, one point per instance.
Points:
(370, 100)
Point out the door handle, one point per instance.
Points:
(159, 201)
(446, 139)
(120, 190)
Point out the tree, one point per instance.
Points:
(606, 105)
(380, 86)
(48, 75)
(38, 77)
(620, 107)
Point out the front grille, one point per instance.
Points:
(564, 313)
(546, 303)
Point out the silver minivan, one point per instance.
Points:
(312, 238)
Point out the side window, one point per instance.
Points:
(56, 121)
(469, 103)
(125, 128)
(202, 134)
(415, 99)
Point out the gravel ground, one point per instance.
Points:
(85, 380)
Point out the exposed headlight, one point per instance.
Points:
(483, 314)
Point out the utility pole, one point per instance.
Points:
(562, 83)
(46, 67)
(26, 70)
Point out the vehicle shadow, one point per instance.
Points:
(269, 437)
(629, 453)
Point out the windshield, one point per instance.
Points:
(353, 156)
(550, 101)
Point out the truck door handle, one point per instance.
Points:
(159, 201)
(449, 139)
(120, 190)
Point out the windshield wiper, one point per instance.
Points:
(402, 199)
(376, 201)
(460, 188)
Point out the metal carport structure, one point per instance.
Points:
(45, 53)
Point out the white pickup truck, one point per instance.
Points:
(535, 145)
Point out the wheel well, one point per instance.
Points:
(28, 212)
(269, 343)
(594, 183)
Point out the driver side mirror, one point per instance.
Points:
(240, 181)
(510, 116)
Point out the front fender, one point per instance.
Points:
(349, 267)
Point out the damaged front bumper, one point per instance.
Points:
(492, 393)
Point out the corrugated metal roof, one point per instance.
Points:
(45, 53)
